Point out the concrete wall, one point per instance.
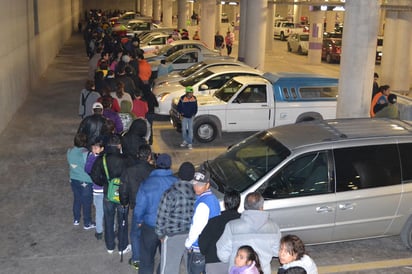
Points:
(112, 4)
(25, 54)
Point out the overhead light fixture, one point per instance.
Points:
(323, 8)
(233, 3)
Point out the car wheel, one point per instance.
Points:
(205, 130)
(329, 58)
(406, 233)
(282, 36)
(289, 48)
(300, 50)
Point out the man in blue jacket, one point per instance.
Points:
(145, 212)
(187, 107)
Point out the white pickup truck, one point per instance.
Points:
(282, 29)
(253, 103)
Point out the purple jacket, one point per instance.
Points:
(247, 269)
(114, 116)
(91, 158)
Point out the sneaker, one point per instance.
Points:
(134, 264)
(98, 236)
(76, 222)
(189, 146)
(89, 226)
(183, 144)
(126, 250)
(110, 251)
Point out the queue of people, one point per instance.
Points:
(384, 103)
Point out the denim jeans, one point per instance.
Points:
(195, 263)
(187, 130)
(135, 233)
(98, 205)
(82, 199)
(149, 242)
(110, 210)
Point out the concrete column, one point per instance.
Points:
(269, 27)
(190, 12)
(297, 12)
(357, 58)
(167, 8)
(181, 14)
(219, 19)
(315, 37)
(257, 14)
(156, 11)
(143, 7)
(207, 19)
(330, 20)
(149, 7)
(242, 30)
(388, 52)
(382, 14)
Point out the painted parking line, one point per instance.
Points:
(407, 262)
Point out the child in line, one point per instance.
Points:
(292, 254)
(246, 261)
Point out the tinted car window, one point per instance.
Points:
(406, 160)
(318, 92)
(302, 176)
(366, 167)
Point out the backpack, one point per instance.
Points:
(114, 185)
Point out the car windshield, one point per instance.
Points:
(228, 90)
(304, 37)
(192, 69)
(163, 50)
(195, 78)
(246, 162)
(174, 56)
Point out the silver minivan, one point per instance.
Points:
(327, 181)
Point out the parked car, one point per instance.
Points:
(224, 18)
(298, 42)
(203, 82)
(153, 43)
(181, 44)
(332, 35)
(326, 181)
(331, 50)
(176, 76)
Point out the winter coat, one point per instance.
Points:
(306, 262)
(135, 137)
(92, 127)
(265, 240)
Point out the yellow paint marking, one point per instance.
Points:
(365, 266)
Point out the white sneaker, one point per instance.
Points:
(189, 146)
(110, 251)
(126, 250)
(183, 144)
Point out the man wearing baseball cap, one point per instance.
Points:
(92, 125)
(187, 107)
(206, 207)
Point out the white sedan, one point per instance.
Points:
(298, 42)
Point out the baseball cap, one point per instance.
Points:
(189, 89)
(164, 161)
(97, 105)
(201, 177)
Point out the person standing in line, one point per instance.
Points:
(214, 229)
(145, 214)
(196, 36)
(206, 207)
(173, 219)
(187, 107)
(375, 88)
(164, 69)
(292, 254)
(110, 114)
(380, 100)
(131, 179)
(246, 261)
(253, 221)
(81, 182)
(229, 43)
(390, 110)
(88, 96)
(219, 42)
(92, 125)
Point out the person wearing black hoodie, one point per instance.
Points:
(135, 137)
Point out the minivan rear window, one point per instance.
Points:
(406, 160)
(366, 167)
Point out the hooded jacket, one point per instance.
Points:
(306, 262)
(92, 127)
(135, 137)
(265, 238)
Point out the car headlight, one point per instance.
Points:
(162, 97)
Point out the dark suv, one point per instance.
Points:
(331, 50)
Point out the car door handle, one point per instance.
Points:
(324, 209)
(347, 206)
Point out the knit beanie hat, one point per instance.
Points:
(186, 171)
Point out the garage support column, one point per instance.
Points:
(181, 14)
(315, 37)
(255, 39)
(149, 7)
(297, 12)
(357, 58)
(167, 7)
(143, 8)
(330, 20)
(219, 19)
(269, 27)
(396, 63)
(156, 11)
(207, 22)
(242, 30)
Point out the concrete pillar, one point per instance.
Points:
(242, 30)
(156, 11)
(150, 7)
(357, 58)
(330, 20)
(167, 8)
(143, 7)
(269, 27)
(190, 13)
(382, 15)
(219, 19)
(388, 52)
(207, 19)
(297, 12)
(315, 37)
(181, 14)
(255, 41)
